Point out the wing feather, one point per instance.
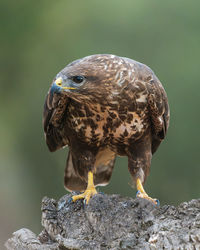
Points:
(104, 164)
(53, 121)
(159, 112)
(72, 181)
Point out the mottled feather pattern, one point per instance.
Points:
(121, 108)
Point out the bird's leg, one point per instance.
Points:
(89, 192)
(142, 194)
(139, 161)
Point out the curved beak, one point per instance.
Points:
(57, 86)
(59, 83)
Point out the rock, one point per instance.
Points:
(112, 222)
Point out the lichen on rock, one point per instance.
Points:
(112, 222)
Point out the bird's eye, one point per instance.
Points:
(78, 79)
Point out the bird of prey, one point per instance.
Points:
(103, 106)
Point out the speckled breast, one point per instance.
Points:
(111, 125)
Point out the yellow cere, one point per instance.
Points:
(59, 83)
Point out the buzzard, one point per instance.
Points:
(102, 106)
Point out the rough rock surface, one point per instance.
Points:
(112, 222)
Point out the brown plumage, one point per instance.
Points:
(102, 106)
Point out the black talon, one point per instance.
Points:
(84, 202)
(138, 192)
(70, 200)
(157, 202)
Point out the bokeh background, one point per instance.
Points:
(38, 38)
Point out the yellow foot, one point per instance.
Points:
(89, 192)
(142, 194)
(145, 196)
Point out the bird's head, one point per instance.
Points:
(92, 75)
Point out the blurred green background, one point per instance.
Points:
(38, 38)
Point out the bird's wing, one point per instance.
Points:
(104, 172)
(104, 164)
(53, 115)
(159, 111)
(72, 181)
